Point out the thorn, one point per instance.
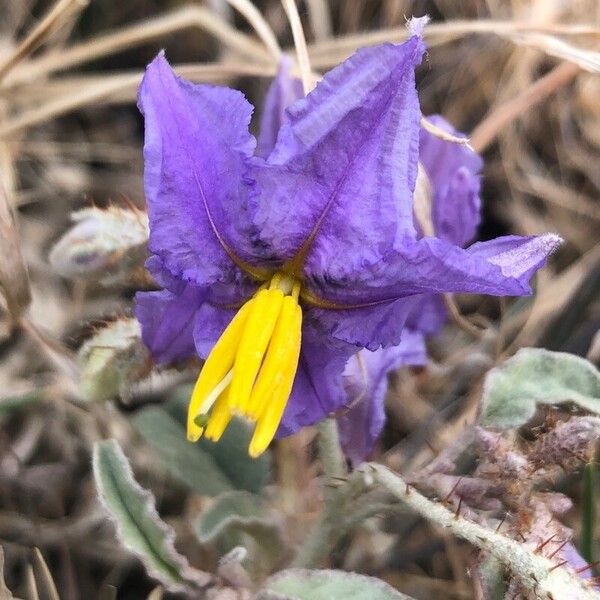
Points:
(540, 546)
(452, 491)
(407, 489)
(433, 449)
(560, 564)
(523, 538)
(586, 567)
(501, 522)
(558, 549)
(457, 514)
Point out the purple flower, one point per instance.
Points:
(453, 173)
(278, 269)
(365, 382)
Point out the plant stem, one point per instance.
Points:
(325, 531)
(588, 513)
(330, 450)
(539, 575)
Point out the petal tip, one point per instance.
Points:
(549, 243)
(554, 240)
(416, 25)
(160, 60)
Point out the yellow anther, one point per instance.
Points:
(272, 410)
(255, 338)
(219, 362)
(219, 418)
(251, 369)
(279, 354)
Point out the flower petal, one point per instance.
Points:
(167, 321)
(372, 326)
(453, 172)
(501, 267)
(429, 315)
(284, 90)
(196, 146)
(210, 323)
(338, 186)
(318, 388)
(365, 381)
(184, 319)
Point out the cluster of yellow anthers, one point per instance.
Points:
(251, 369)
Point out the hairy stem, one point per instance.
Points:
(330, 450)
(326, 532)
(539, 576)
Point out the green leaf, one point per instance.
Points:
(207, 467)
(239, 519)
(492, 578)
(534, 375)
(231, 454)
(187, 462)
(139, 526)
(304, 584)
(16, 402)
(589, 502)
(228, 509)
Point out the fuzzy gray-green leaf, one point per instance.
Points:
(240, 519)
(305, 584)
(532, 376)
(139, 526)
(207, 467)
(188, 462)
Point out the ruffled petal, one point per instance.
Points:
(195, 152)
(501, 267)
(284, 90)
(429, 315)
(318, 388)
(453, 171)
(167, 321)
(365, 381)
(184, 319)
(373, 326)
(338, 186)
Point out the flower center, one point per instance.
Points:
(251, 369)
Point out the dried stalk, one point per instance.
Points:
(442, 134)
(500, 117)
(188, 17)
(57, 15)
(320, 19)
(326, 54)
(300, 44)
(260, 25)
(84, 91)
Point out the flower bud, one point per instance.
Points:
(104, 243)
(112, 361)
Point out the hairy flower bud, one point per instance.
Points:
(106, 243)
(112, 361)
